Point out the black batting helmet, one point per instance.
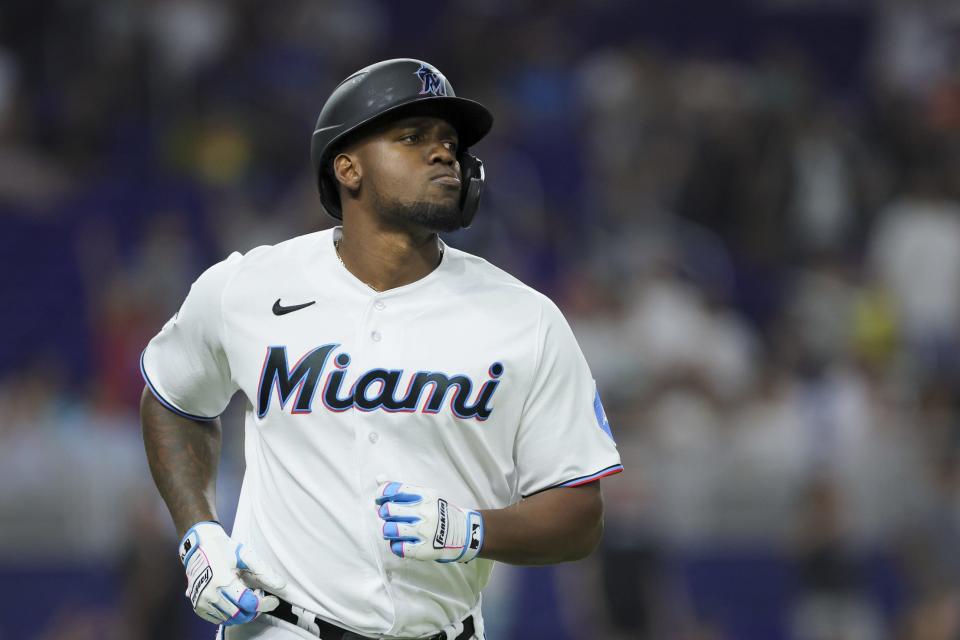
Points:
(398, 87)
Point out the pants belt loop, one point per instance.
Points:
(306, 620)
(452, 634)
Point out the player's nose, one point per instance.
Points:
(441, 153)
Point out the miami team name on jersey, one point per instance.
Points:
(305, 376)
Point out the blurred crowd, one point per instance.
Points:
(749, 214)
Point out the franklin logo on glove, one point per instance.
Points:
(440, 541)
(199, 585)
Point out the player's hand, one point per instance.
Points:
(225, 579)
(419, 524)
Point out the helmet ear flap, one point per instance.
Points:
(326, 183)
(471, 170)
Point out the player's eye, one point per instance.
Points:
(412, 138)
(450, 145)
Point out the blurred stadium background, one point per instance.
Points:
(748, 210)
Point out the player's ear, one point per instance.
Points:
(347, 171)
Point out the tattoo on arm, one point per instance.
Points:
(183, 455)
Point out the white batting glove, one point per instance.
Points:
(220, 574)
(419, 524)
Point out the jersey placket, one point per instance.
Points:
(376, 343)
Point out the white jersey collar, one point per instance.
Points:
(332, 262)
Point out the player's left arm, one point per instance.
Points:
(558, 525)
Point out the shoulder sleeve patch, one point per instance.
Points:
(602, 421)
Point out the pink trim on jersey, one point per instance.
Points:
(601, 474)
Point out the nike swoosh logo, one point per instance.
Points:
(279, 309)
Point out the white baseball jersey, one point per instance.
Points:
(466, 380)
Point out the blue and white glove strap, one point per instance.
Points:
(474, 541)
(191, 540)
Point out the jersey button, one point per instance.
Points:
(375, 336)
(374, 437)
(379, 306)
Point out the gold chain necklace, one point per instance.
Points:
(336, 249)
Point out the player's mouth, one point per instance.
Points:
(447, 179)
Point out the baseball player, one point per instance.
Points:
(413, 413)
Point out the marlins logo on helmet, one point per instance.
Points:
(433, 83)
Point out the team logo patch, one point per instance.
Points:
(431, 82)
(602, 421)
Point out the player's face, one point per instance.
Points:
(411, 172)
